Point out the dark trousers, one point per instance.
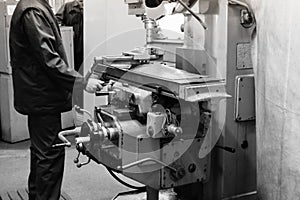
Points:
(46, 163)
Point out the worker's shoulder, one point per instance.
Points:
(30, 4)
(37, 5)
(71, 4)
(26, 7)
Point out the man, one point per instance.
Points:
(43, 85)
(71, 14)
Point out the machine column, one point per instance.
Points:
(152, 194)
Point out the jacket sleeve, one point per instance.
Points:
(43, 42)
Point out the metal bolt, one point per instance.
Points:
(192, 168)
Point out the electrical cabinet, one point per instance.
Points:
(6, 10)
(13, 124)
(67, 38)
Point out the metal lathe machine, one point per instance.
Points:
(179, 114)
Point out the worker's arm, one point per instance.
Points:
(43, 42)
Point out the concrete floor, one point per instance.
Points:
(91, 182)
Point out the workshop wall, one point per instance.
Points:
(108, 30)
(277, 68)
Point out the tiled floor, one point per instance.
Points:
(91, 182)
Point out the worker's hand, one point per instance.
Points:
(94, 85)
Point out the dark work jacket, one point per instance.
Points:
(42, 80)
(71, 14)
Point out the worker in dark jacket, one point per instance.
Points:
(71, 14)
(43, 84)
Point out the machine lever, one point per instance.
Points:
(143, 161)
(104, 93)
(82, 164)
(61, 145)
(247, 16)
(62, 136)
(76, 160)
(78, 109)
(228, 149)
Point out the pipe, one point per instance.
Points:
(237, 2)
(192, 13)
(142, 188)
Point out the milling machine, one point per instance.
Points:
(179, 114)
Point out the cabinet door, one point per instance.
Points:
(7, 8)
(67, 38)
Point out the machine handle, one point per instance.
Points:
(62, 136)
(80, 110)
(104, 93)
(82, 139)
(84, 163)
(228, 149)
(67, 144)
(143, 161)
